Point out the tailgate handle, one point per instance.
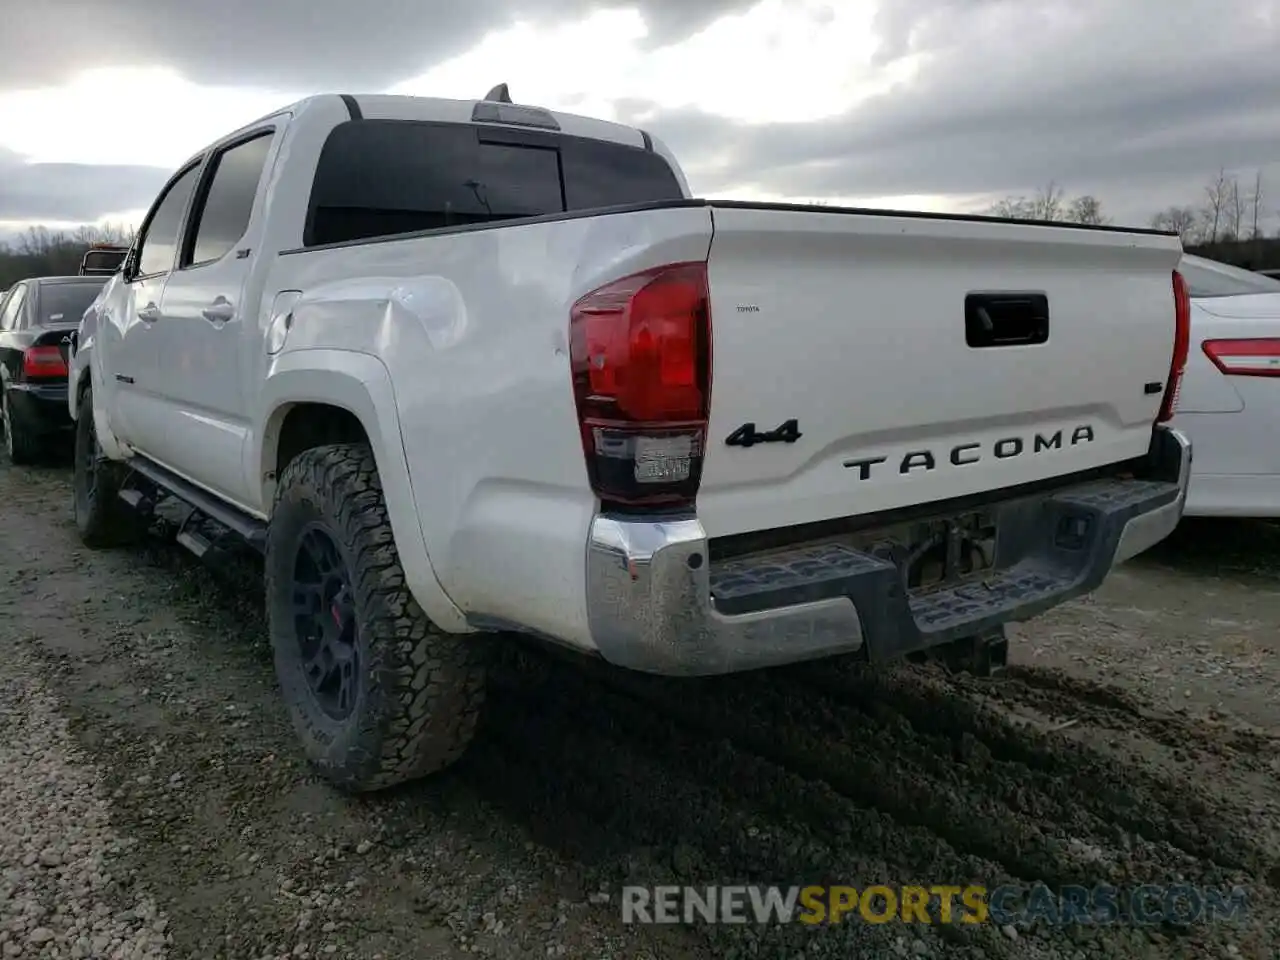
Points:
(1005, 319)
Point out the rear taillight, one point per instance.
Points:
(640, 352)
(1181, 347)
(43, 362)
(1245, 358)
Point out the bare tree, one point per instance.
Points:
(1048, 203)
(1011, 208)
(1052, 204)
(1215, 209)
(1255, 201)
(1086, 209)
(1235, 207)
(103, 233)
(39, 241)
(1179, 220)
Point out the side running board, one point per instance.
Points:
(252, 530)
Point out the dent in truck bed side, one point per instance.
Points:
(360, 383)
(483, 393)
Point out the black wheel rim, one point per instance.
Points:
(4, 425)
(325, 623)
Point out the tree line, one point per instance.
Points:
(1228, 223)
(42, 252)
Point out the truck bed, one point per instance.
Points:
(851, 323)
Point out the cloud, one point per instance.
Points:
(91, 128)
(795, 60)
(289, 44)
(72, 192)
(939, 102)
(1129, 99)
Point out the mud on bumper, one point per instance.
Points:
(657, 604)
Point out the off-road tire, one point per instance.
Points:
(23, 445)
(103, 520)
(419, 690)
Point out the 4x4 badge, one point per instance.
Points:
(748, 436)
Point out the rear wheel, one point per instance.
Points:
(102, 518)
(377, 693)
(23, 445)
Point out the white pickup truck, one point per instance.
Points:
(463, 368)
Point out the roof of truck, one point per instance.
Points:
(393, 106)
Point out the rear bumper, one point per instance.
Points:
(657, 605)
(40, 406)
(1254, 496)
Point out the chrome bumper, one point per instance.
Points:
(651, 604)
(1147, 529)
(650, 607)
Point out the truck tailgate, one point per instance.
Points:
(912, 355)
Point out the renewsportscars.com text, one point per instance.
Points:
(1180, 904)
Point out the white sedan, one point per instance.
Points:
(1229, 404)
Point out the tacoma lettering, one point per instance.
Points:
(964, 454)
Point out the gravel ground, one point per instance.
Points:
(57, 893)
(153, 803)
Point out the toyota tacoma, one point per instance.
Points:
(463, 369)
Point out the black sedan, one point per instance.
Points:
(37, 318)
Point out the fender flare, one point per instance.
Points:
(86, 371)
(81, 365)
(80, 370)
(360, 384)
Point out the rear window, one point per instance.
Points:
(62, 304)
(101, 262)
(1209, 278)
(382, 177)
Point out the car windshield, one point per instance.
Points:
(62, 304)
(1209, 278)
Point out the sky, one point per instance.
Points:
(940, 105)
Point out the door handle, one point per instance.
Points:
(149, 314)
(220, 311)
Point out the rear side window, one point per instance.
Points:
(598, 174)
(12, 307)
(382, 177)
(227, 206)
(63, 304)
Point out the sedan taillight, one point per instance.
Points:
(1254, 357)
(39, 362)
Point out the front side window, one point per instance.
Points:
(160, 241)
